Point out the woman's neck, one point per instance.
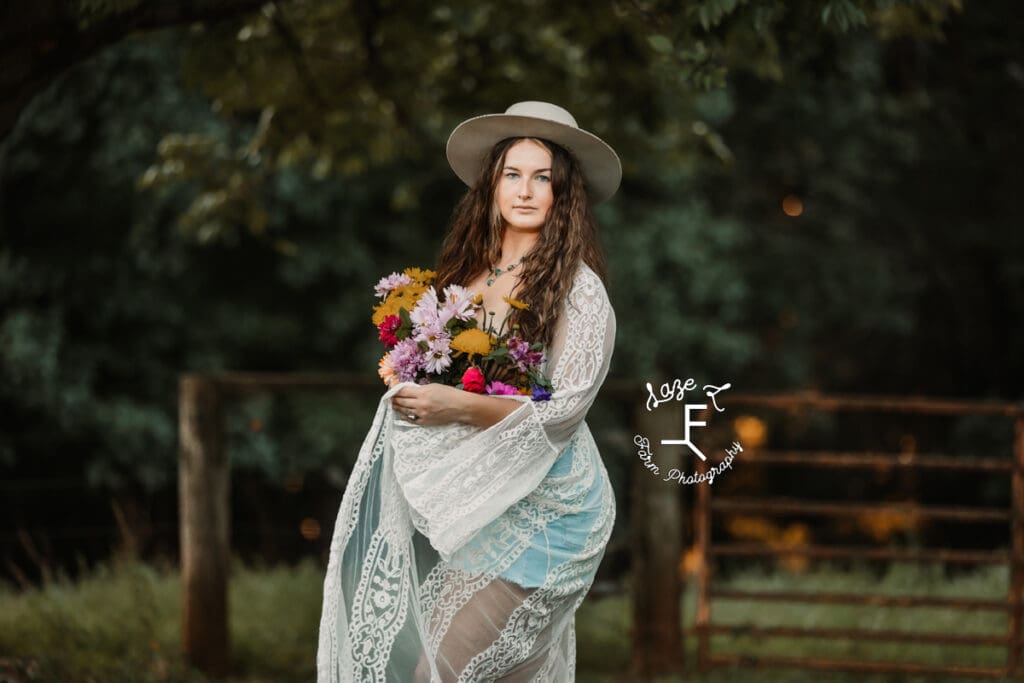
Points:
(516, 243)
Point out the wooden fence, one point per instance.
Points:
(708, 551)
(656, 533)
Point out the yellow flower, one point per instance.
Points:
(413, 291)
(515, 303)
(400, 297)
(421, 275)
(473, 342)
(388, 307)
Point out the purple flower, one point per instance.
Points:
(517, 349)
(407, 360)
(501, 389)
(540, 393)
(430, 331)
(520, 353)
(534, 358)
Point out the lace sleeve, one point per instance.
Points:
(460, 480)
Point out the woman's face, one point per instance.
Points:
(524, 193)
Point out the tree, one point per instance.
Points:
(43, 39)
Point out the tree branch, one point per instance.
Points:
(41, 40)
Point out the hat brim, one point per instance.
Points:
(472, 139)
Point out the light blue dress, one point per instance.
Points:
(563, 539)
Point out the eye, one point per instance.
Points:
(512, 174)
(544, 178)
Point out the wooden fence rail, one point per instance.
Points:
(708, 550)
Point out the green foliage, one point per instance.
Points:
(224, 196)
(843, 14)
(120, 624)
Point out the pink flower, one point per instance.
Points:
(425, 313)
(393, 281)
(501, 389)
(473, 380)
(387, 330)
(458, 303)
(439, 356)
(406, 360)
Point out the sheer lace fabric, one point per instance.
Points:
(461, 554)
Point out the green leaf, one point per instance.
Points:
(705, 18)
(660, 43)
(497, 353)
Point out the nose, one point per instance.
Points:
(524, 189)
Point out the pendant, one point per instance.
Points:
(499, 271)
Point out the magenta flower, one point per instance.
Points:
(501, 389)
(387, 330)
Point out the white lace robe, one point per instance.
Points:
(432, 517)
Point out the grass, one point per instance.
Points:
(603, 626)
(122, 623)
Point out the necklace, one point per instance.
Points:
(498, 271)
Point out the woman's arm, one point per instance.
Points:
(438, 404)
(483, 411)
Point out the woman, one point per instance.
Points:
(473, 525)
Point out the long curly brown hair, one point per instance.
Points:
(569, 235)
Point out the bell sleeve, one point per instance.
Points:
(466, 482)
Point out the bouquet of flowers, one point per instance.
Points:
(430, 340)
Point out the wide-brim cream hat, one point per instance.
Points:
(472, 139)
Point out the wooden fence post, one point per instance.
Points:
(1015, 665)
(702, 543)
(657, 540)
(203, 490)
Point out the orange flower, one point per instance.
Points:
(386, 370)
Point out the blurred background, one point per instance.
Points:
(817, 195)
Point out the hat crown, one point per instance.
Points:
(542, 110)
(472, 140)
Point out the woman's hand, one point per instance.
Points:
(432, 404)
